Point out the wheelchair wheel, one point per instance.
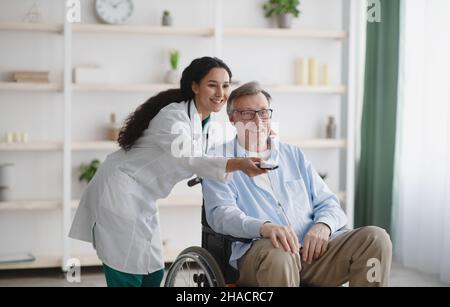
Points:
(194, 267)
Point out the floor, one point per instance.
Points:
(92, 277)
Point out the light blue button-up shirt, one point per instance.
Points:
(300, 198)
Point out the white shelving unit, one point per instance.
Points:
(183, 201)
(31, 27)
(30, 205)
(150, 30)
(111, 146)
(32, 146)
(111, 87)
(68, 146)
(44, 205)
(150, 88)
(331, 89)
(285, 33)
(30, 87)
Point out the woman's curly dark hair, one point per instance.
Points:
(140, 119)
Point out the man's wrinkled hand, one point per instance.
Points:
(280, 235)
(315, 242)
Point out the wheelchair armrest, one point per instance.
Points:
(209, 230)
(234, 239)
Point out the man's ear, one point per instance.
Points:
(231, 118)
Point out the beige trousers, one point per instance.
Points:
(361, 257)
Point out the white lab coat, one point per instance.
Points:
(118, 213)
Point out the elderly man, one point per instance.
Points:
(295, 221)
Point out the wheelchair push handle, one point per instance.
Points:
(194, 181)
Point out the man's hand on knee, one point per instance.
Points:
(280, 235)
(316, 242)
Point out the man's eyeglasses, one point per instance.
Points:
(250, 115)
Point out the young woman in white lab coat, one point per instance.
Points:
(117, 212)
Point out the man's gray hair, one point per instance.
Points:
(250, 88)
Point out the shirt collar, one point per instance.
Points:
(274, 150)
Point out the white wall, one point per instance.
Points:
(141, 59)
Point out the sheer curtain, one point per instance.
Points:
(422, 175)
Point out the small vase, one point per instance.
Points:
(331, 128)
(114, 128)
(284, 21)
(172, 77)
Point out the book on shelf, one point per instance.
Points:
(32, 76)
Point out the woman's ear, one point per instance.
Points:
(195, 88)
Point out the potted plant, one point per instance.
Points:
(173, 75)
(284, 10)
(87, 172)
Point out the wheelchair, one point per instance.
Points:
(205, 266)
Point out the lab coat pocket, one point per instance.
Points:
(114, 235)
(146, 227)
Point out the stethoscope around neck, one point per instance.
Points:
(189, 116)
(197, 179)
